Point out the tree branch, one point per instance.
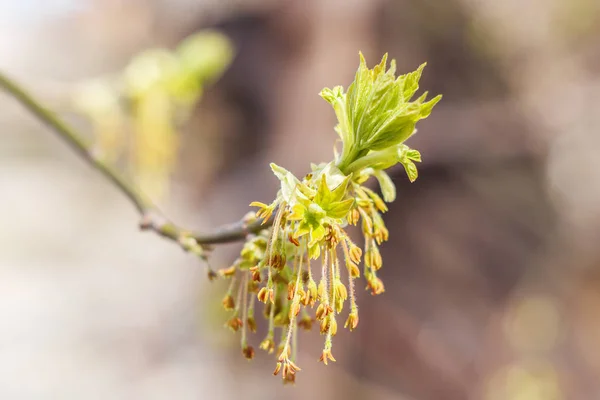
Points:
(151, 217)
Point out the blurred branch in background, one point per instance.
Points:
(151, 217)
(137, 115)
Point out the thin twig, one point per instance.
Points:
(151, 217)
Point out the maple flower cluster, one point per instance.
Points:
(304, 267)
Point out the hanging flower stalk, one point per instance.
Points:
(305, 266)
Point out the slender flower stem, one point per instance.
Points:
(295, 303)
(271, 332)
(331, 272)
(244, 310)
(324, 272)
(232, 285)
(151, 218)
(271, 243)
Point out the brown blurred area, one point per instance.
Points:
(492, 271)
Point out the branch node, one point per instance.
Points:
(146, 222)
(212, 275)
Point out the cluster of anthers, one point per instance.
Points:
(280, 265)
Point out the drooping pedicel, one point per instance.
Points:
(307, 242)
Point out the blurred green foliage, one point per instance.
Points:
(137, 114)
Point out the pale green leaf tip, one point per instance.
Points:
(277, 169)
(326, 94)
(383, 62)
(392, 70)
(363, 63)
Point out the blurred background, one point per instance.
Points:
(492, 271)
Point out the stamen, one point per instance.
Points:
(246, 350)
(332, 277)
(270, 243)
(323, 292)
(250, 320)
(228, 302)
(295, 306)
(367, 223)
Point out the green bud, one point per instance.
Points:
(377, 112)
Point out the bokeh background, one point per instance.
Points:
(492, 270)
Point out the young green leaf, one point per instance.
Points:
(377, 112)
(408, 157)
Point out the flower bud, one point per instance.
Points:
(373, 258)
(326, 356)
(228, 302)
(321, 291)
(248, 352)
(294, 310)
(376, 261)
(303, 296)
(234, 323)
(268, 345)
(339, 304)
(376, 286)
(293, 240)
(311, 292)
(228, 272)
(379, 204)
(324, 326)
(353, 216)
(353, 269)
(355, 253)
(277, 261)
(255, 273)
(263, 295)
(322, 311)
(352, 320)
(340, 290)
(251, 324)
(291, 289)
